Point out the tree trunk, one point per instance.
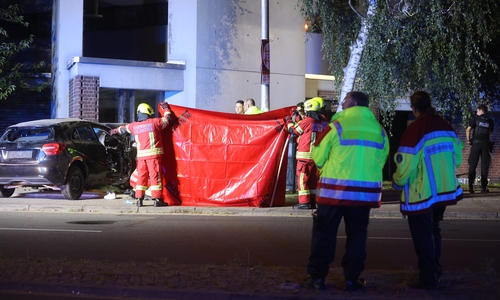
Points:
(356, 48)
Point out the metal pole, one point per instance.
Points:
(266, 55)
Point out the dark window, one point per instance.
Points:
(84, 133)
(28, 134)
(121, 31)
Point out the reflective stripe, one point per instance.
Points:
(303, 155)
(149, 152)
(307, 192)
(343, 189)
(453, 196)
(428, 137)
(299, 130)
(155, 187)
(358, 142)
(141, 187)
(301, 182)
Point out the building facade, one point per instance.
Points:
(108, 56)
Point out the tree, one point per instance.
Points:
(441, 46)
(15, 71)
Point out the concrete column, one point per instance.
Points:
(67, 42)
(182, 42)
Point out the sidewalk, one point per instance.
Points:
(473, 206)
(163, 280)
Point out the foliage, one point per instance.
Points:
(444, 47)
(14, 73)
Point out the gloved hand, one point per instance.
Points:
(114, 131)
(288, 119)
(166, 108)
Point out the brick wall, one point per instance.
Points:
(494, 172)
(84, 98)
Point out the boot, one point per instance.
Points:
(139, 202)
(302, 206)
(471, 188)
(159, 202)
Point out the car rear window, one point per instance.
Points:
(20, 134)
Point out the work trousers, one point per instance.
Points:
(326, 222)
(307, 180)
(148, 169)
(426, 236)
(479, 149)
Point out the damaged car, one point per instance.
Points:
(68, 154)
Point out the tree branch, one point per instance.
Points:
(355, 10)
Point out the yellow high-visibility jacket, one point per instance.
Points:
(427, 159)
(350, 155)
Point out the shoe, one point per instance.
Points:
(426, 286)
(139, 202)
(110, 196)
(471, 191)
(312, 203)
(129, 192)
(314, 284)
(485, 190)
(159, 202)
(351, 286)
(302, 206)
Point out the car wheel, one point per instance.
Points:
(6, 192)
(75, 184)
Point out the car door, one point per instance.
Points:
(93, 152)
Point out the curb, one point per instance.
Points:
(218, 211)
(160, 293)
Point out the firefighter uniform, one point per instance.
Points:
(147, 134)
(306, 131)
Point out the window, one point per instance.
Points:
(84, 133)
(125, 30)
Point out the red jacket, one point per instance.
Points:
(306, 130)
(147, 135)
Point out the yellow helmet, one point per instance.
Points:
(145, 109)
(313, 104)
(321, 102)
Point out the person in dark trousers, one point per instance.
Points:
(479, 137)
(427, 160)
(350, 155)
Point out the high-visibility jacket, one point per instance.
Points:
(427, 159)
(306, 130)
(147, 135)
(253, 110)
(350, 155)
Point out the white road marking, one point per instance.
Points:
(443, 239)
(53, 230)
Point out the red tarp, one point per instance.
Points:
(225, 159)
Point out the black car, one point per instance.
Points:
(64, 154)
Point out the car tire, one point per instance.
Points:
(75, 183)
(6, 193)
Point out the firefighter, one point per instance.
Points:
(147, 134)
(306, 131)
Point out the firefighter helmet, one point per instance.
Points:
(313, 104)
(145, 109)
